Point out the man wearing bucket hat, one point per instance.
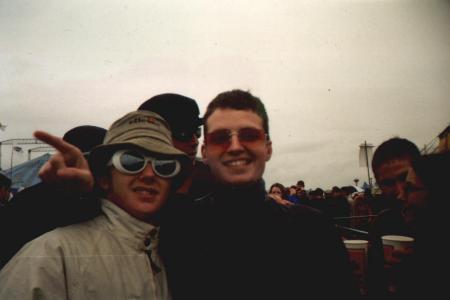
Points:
(114, 255)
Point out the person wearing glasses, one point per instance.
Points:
(182, 115)
(235, 243)
(113, 256)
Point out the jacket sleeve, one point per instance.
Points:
(35, 272)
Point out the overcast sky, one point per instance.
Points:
(331, 73)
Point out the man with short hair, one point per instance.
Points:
(242, 245)
(113, 256)
(392, 165)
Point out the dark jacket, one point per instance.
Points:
(235, 244)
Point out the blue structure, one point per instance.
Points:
(26, 174)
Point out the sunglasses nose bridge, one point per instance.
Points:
(148, 170)
(234, 141)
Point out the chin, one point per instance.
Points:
(243, 181)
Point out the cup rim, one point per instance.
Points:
(397, 238)
(354, 242)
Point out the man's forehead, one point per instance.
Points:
(229, 118)
(393, 167)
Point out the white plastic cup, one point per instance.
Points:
(396, 242)
(357, 252)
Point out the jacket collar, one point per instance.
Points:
(141, 234)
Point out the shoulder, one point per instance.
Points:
(65, 239)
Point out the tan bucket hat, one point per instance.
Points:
(141, 130)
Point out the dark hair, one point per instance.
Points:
(317, 192)
(239, 100)
(336, 189)
(348, 189)
(5, 181)
(281, 187)
(301, 183)
(394, 148)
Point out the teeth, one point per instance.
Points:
(236, 163)
(145, 192)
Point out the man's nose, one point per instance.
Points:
(235, 144)
(148, 172)
(400, 191)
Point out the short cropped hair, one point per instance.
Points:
(392, 149)
(238, 100)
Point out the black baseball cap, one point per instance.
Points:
(180, 112)
(85, 137)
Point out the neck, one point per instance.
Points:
(240, 194)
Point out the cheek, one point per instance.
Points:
(418, 198)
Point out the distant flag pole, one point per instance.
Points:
(365, 150)
(2, 128)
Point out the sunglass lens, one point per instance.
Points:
(219, 137)
(250, 135)
(185, 136)
(166, 168)
(132, 161)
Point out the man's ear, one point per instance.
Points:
(104, 182)
(205, 159)
(268, 150)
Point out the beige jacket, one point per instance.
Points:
(104, 258)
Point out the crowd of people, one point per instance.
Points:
(131, 213)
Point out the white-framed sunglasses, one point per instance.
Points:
(133, 162)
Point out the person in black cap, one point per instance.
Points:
(182, 115)
(85, 137)
(31, 212)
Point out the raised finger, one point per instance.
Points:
(54, 141)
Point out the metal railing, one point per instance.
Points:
(350, 231)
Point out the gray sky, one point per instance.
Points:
(331, 73)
